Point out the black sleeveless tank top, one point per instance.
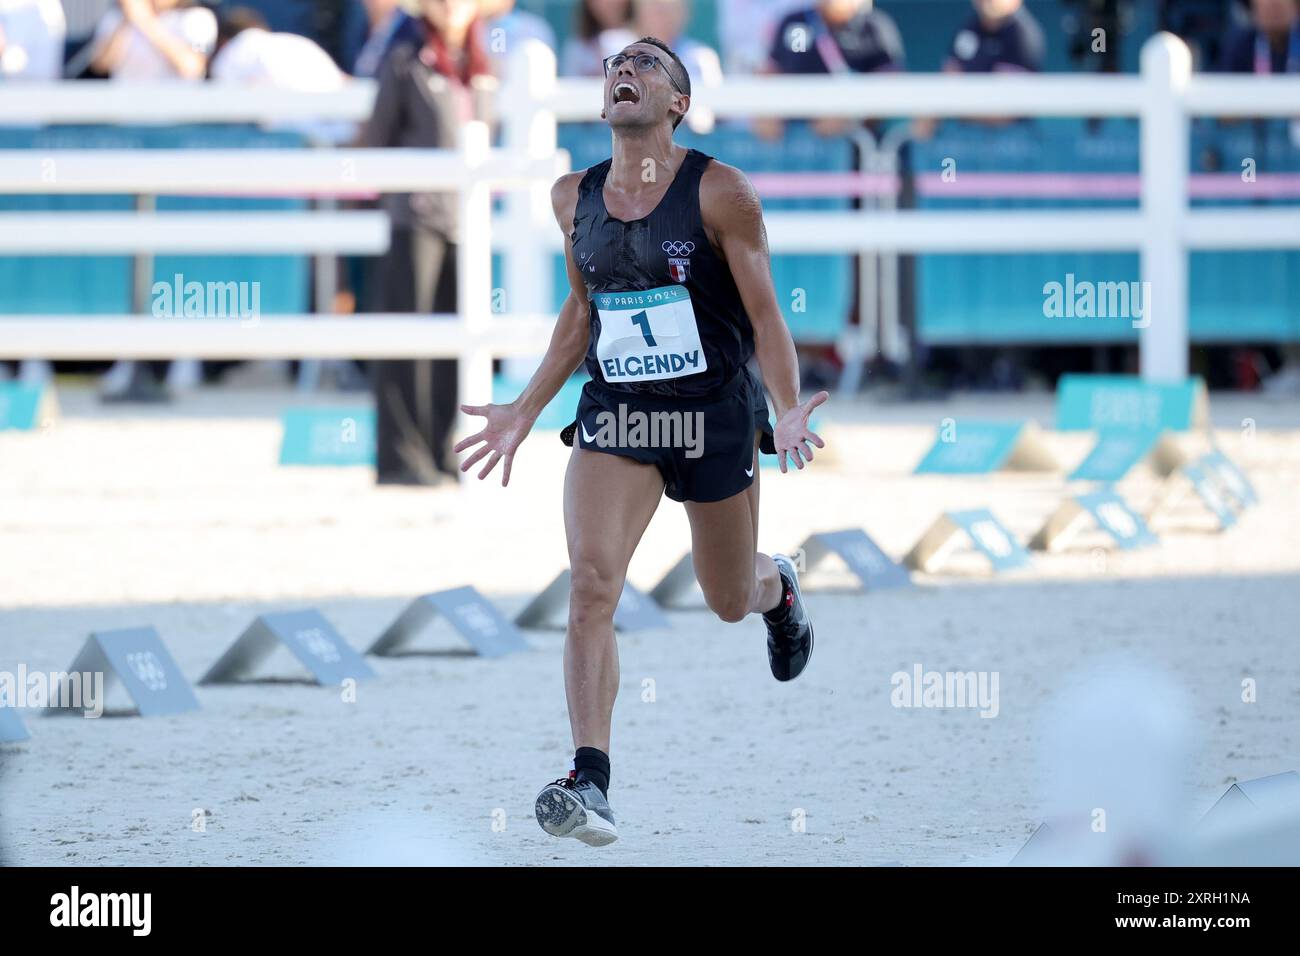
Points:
(644, 279)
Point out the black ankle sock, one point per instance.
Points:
(592, 764)
(778, 613)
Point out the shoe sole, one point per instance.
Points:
(798, 594)
(561, 814)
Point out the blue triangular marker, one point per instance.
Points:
(136, 658)
(20, 406)
(1232, 478)
(1207, 489)
(977, 448)
(868, 562)
(991, 538)
(472, 616)
(1116, 452)
(1114, 516)
(12, 729)
(1127, 401)
(306, 634)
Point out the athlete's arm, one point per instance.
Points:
(507, 426)
(733, 219)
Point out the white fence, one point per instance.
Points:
(1162, 230)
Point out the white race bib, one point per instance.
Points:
(648, 336)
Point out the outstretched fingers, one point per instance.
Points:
(816, 400)
(472, 440)
(492, 462)
(468, 463)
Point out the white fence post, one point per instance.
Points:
(528, 129)
(474, 270)
(1166, 70)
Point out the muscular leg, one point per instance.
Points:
(608, 501)
(735, 577)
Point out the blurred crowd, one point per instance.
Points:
(231, 40)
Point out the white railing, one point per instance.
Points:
(227, 172)
(192, 233)
(290, 336)
(1162, 229)
(473, 334)
(170, 103)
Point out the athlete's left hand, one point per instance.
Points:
(791, 435)
(501, 436)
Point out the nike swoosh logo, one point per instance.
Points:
(749, 472)
(588, 438)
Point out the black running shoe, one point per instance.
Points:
(576, 808)
(790, 639)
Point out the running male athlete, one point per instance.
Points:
(671, 295)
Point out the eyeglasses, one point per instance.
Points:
(642, 63)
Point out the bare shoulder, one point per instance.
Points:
(564, 198)
(728, 199)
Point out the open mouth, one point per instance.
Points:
(625, 92)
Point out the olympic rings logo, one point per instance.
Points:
(678, 248)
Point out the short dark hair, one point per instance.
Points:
(676, 68)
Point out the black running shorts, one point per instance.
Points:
(703, 448)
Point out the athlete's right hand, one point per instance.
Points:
(504, 431)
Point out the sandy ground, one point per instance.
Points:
(181, 519)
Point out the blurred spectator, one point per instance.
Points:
(1201, 23)
(248, 53)
(151, 40)
(508, 27)
(154, 40)
(601, 29)
(1270, 43)
(31, 39)
(1000, 35)
(389, 26)
(425, 95)
(31, 48)
(837, 37)
(667, 19)
(746, 29)
(1087, 21)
